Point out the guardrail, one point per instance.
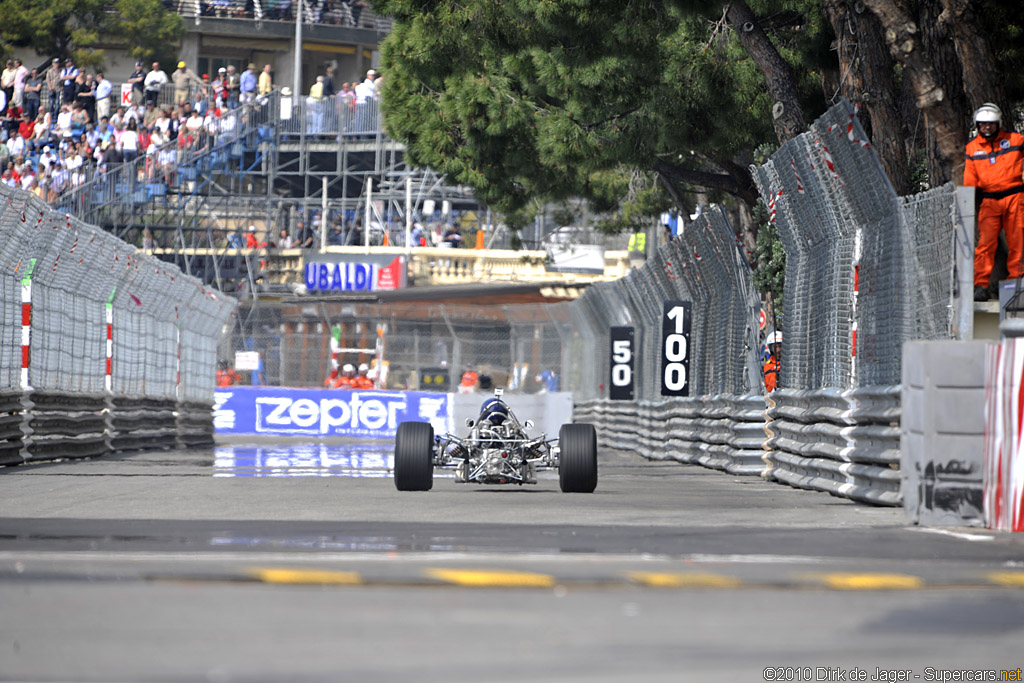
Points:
(721, 432)
(842, 442)
(37, 426)
(846, 443)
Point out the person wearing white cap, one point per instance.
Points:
(250, 238)
(772, 365)
(361, 381)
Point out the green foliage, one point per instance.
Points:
(76, 28)
(542, 100)
(770, 257)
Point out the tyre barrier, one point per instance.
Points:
(846, 443)
(842, 442)
(723, 432)
(37, 426)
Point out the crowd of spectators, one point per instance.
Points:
(60, 128)
(336, 12)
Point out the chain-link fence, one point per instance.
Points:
(865, 269)
(422, 347)
(84, 312)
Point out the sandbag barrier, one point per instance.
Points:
(846, 443)
(724, 432)
(37, 426)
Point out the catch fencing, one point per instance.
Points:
(102, 348)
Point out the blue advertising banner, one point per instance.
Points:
(326, 412)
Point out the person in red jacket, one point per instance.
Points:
(994, 166)
(772, 365)
(362, 381)
(226, 375)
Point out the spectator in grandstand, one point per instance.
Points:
(7, 82)
(184, 80)
(130, 142)
(266, 82)
(231, 85)
(137, 79)
(103, 92)
(148, 242)
(149, 119)
(20, 76)
(47, 157)
(194, 130)
(416, 235)
(67, 81)
(168, 159)
(305, 235)
(154, 81)
(284, 241)
(365, 100)
(85, 94)
(33, 93)
(247, 84)
(200, 104)
(220, 88)
(79, 117)
(64, 122)
(53, 86)
(453, 237)
(316, 91)
(336, 236)
(27, 128)
(329, 87)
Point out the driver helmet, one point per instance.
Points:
(493, 410)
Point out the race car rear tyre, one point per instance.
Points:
(577, 464)
(414, 456)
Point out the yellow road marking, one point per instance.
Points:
(688, 580)
(1007, 578)
(869, 582)
(306, 576)
(485, 577)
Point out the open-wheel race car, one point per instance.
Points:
(497, 450)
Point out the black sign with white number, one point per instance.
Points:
(621, 385)
(675, 349)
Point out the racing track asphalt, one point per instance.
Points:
(148, 567)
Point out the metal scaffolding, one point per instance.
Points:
(268, 164)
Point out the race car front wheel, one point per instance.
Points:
(577, 464)
(414, 456)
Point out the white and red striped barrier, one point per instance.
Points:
(1004, 447)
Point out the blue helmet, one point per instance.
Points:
(493, 410)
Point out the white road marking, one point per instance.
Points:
(955, 534)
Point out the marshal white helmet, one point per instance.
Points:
(988, 113)
(774, 338)
(348, 367)
(363, 367)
